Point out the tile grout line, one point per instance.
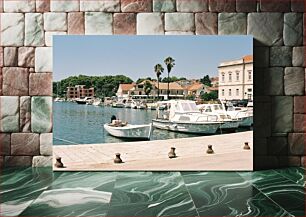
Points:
(266, 196)
(190, 195)
(38, 195)
(289, 179)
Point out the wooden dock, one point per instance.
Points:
(153, 155)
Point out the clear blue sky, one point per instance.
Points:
(135, 56)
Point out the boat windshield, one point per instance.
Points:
(217, 107)
(189, 107)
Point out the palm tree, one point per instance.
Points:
(169, 61)
(158, 68)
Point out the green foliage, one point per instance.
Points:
(172, 79)
(213, 95)
(105, 86)
(158, 69)
(147, 87)
(190, 97)
(143, 79)
(169, 61)
(206, 80)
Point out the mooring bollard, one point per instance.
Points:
(59, 163)
(210, 150)
(172, 154)
(246, 146)
(117, 159)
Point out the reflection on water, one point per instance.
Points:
(83, 124)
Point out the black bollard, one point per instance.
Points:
(117, 159)
(59, 163)
(246, 146)
(172, 154)
(210, 150)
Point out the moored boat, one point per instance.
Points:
(229, 123)
(183, 116)
(129, 131)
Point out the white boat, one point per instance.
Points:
(129, 131)
(128, 103)
(134, 105)
(57, 99)
(151, 106)
(244, 115)
(97, 102)
(141, 106)
(183, 116)
(218, 110)
(118, 104)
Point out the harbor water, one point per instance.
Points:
(83, 124)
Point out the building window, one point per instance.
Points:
(237, 92)
(250, 75)
(250, 90)
(222, 92)
(223, 77)
(230, 77)
(237, 76)
(230, 92)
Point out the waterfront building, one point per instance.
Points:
(197, 89)
(79, 91)
(236, 79)
(138, 90)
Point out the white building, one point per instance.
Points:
(236, 79)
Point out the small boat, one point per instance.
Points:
(183, 116)
(118, 105)
(142, 106)
(129, 131)
(244, 115)
(81, 101)
(151, 106)
(97, 102)
(229, 123)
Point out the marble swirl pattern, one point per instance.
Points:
(20, 187)
(228, 194)
(42, 192)
(75, 194)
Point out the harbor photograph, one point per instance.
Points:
(153, 103)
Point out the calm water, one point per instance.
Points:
(83, 124)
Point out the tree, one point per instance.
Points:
(169, 61)
(158, 68)
(213, 95)
(206, 80)
(147, 87)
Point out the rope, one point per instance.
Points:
(64, 140)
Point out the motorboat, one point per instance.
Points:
(97, 102)
(151, 106)
(184, 116)
(81, 101)
(229, 123)
(118, 104)
(244, 114)
(125, 130)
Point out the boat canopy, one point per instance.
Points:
(180, 105)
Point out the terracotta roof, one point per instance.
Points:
(248, 58)
(172, 86)
(195, 86)
(126, 87)
(212, 88)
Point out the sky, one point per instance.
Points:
(136, 56)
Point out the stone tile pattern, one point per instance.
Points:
(26, 63)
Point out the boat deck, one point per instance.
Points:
(153, 155)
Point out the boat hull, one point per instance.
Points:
(137, 132)
(230, 125)
(184, 127)
(81, 102)
(246, 122)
